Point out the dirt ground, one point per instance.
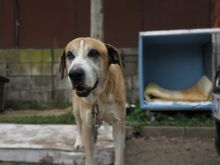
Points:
(171, 151)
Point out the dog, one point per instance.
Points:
(95, 73)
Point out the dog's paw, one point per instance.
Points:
(78, 143)
(106, 132)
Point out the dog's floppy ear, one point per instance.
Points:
(114, 57)
(63, 64)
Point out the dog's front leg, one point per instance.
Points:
(119, 142)
(79, 141)
(88, 139)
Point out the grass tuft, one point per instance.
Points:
(66, 118)
(136, 118)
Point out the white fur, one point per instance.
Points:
(91, 70)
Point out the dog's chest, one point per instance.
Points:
(108, 112)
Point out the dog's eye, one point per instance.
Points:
(70, 56)
(93, 53)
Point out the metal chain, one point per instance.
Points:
(95, 122)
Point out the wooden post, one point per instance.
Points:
(97, 19)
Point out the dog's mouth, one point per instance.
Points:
(83, 91)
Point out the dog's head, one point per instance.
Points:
(86, 61)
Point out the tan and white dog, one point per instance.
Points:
(94, 71)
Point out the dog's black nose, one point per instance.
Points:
(76, 76)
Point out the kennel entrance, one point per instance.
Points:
(176, 60)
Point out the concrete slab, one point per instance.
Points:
(48, 144)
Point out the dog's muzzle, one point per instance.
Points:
(77, 78)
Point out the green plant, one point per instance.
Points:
(66, 118)
(136, 118)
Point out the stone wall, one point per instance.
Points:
(35, 78)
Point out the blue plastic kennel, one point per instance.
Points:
(175, 59)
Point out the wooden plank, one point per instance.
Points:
(48, 144)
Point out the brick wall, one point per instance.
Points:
(35, 78)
